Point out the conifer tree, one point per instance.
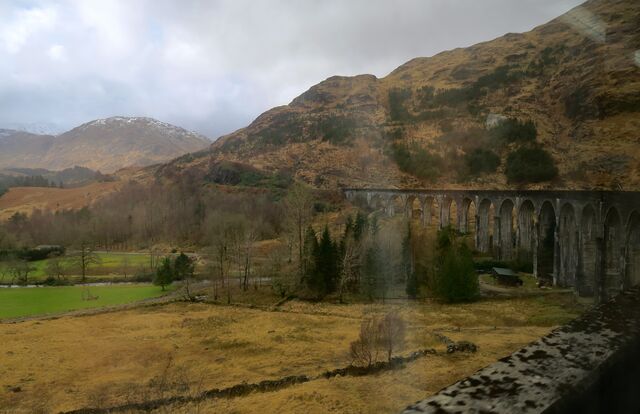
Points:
(183, 267)
(309, 254)
(164, 274)
(455, 279)
(326, 263)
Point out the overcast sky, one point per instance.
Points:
(214, 65)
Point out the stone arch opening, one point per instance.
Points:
(454, 217)
(485, 226)
(357, 199)
(586, 280)
(434, 211)
(506, 233)
(415, 209)
(444, 212)
(568, 244)
(376, 202)
(467, 221)
(613, 262)
(397, 205)
(410, 208)
(633, 250)
(525, 231)
(546, 242)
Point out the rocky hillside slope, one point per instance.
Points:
(573, 85)
(104, 144)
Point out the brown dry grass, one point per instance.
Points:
(109, 359)
(27, 199)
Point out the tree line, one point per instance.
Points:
(376, 262)
(358, 257)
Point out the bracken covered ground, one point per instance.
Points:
(183, 349)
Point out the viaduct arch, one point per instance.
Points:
(586, 240)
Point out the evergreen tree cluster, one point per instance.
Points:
(8, 181)
(181, 267)
(323, 265)
(455, 279)
(360, 261)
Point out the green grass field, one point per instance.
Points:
(110, 264)
(16, 302)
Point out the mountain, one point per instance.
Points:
(38, 128)
(19, 148)
(559, 104)
(104, 144)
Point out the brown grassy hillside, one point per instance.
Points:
(577, 78)
(27, 199)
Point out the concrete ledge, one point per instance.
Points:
(590, 365)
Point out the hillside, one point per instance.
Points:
(69, 177)
(28, 199)
(23, 148)
(104, 144)
(432, 120)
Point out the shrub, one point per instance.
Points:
(480, 161)
(338, 130)
(530, 165)
(452, 97)
(244, 175)
(514, 130)
(578, 104)
(501, 76)
(417, 161)
(284, 128)
(397, 109)
(53, 281)
(425, 95)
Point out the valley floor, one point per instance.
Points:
(155, 352)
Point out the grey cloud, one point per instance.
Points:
(212, 66)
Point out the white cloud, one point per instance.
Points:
(56, 52)
(25, 24)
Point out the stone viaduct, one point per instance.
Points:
(586, 240)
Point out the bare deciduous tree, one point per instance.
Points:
(126, 265)
(378, 336)
(281, 274)
(86, 257)
(392, 333)
(55, 268)
(19, 270)
(299, 204)
(222, 232)
(364, 351)
(349, 266)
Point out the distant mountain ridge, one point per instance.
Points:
(104, 145)
(576, 78)
(38, 128)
